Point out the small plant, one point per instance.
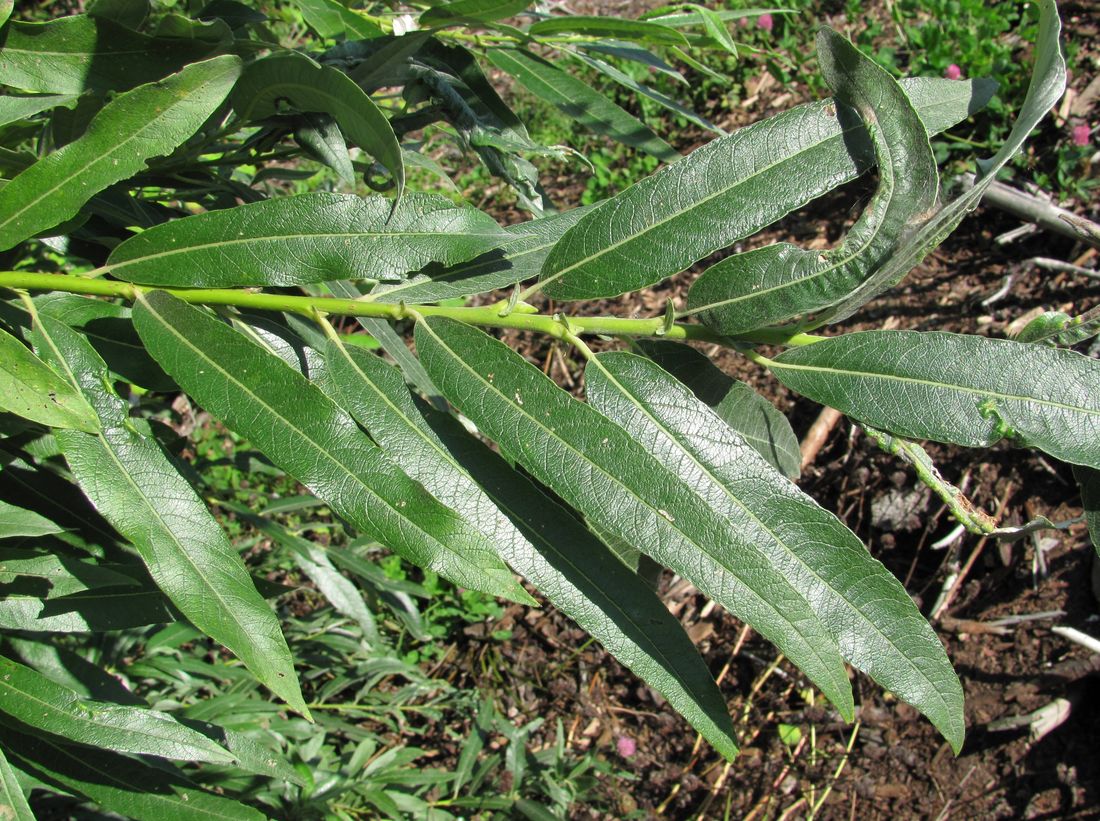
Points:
(152, 250)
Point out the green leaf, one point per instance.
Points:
(94, 611)
(775, 283)
(1088, 480)
(13, 804)
(542, 542)
(306, 238)
(17, 521)
(119, 784)
(604, 472)
(148, 122)
(332, 19)
(38, 702)
(666, 222)
(967, 390)
(6, 7)
(288, 78)
(129, 478)
(520, 257)
(864, 608)
(1048, 82)
(748, 413)
(630, 30)
(15, 107)
(465, 10)
(71, 55)
(59, 574)
(320, 136)
(30, 388)
(302, 431)
(580, 101)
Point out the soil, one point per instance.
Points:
(896, 765)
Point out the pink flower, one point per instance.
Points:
(626, 746)
(1081, 134)
(765, 22)
(953, 72)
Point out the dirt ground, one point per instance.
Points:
(898, 766)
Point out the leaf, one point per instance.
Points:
(99, 610)
(6, 7)
(864, 608)
(631, 30)
(520, 257)
(132, 483)
(13, 804)
(467, 10)
(148, 122)
(600, 469)
(71, 55)
(542, 542)
(38, 702)
(17, 521)
(119, 784)
(319, 135)
(306, 434)
(15, 107)
(1088, 479)
(966, 390)
(332, 19)
(306, 238)
(288, 78)
(664, 223)
(635, 54)
(579, 101)
(748, 413)
(1048, 82)
(778, 282)
(30, 388)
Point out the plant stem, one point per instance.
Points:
(485, 316)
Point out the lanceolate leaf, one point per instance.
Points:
(131, 481)
(148, 122)
(18, 521)
(306, 238)
(120, 784)
(580, 101)
(601, 470)
(674, 218)
(15, 107)
(773, 284)
(1088, 479)
(302, 431)
(331, 19)
(636, 30)
(1048, 82)
(485, 10)
(866, 610)
(289, 78)
(32, 389)
(968, 390)
(72, 55)
(95, 611)
(542, 542)
(756, 419)
(519, 258)
(13, 804)
(47, 706)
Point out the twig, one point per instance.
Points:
(818, 434)
(1061, 267)
(1076, 636)
(1037, 210)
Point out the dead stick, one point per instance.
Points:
(817, 435)
(1034, 209)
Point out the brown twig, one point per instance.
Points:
(818, 434)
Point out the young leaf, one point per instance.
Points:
(38, 702)
(752, 416)
(149, 121)
(31, 389)
(631, 30)
(1048, 82)
(672, 219)
(290, 78)
(604, 472)
(302, 431)
(13, 804)
(542, 542)
(130, 480)
(467, 10)
(967, 390)
(865, 609)
(777, 282)
(120, 784)
(517, 259)
(72, 55)
(580, 101)
(306, 238)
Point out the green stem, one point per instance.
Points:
(485, 316)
